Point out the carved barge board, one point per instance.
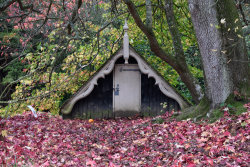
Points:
(99, 104)
(139, 94)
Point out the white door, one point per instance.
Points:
(127, 89)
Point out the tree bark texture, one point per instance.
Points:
(222, 51)
(182, 67)
(234, 45)
(177, 61)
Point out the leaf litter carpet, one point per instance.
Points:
(51, 141)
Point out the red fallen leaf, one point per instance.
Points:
(186, 146)
(216, 129)
(45, 164)
(238, 160)
(49, 136)
(230, 148)
(191, 164)
(76, 160)
(91, 163)
(226, 113)
(200, 140)
(211, 162)
(111, 164)
(226, 133)
(247, 106)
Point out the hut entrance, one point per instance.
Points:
(127, 89)
(121, 89)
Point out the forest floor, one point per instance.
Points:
(161, 141)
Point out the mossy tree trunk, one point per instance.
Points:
(223, 50)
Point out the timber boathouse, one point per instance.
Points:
(125, 85)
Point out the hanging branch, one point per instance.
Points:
(154, 45)
(74, 16)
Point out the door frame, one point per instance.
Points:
(115, 86)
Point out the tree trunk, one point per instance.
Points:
(223, 51)
(181, 67)
(177, 61)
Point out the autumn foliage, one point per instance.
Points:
(52, 141)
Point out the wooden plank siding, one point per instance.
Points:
(152, 98)
(99, 103)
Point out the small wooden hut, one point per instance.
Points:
(125, 85)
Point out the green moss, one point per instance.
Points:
(245, 90)
(88, 115)
(227, 10)
(158, 120)
(215, 115)
(234, 106)
(105, 113)
(78, 117)
(195, 112)
(146, 114)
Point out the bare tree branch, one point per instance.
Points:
(149, 14)
(24, 7)
(6, 4)
(154, 45)
(172, 25)
(46, 17)
(74, 16)
(177, 62)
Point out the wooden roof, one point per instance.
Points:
(108, 67)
